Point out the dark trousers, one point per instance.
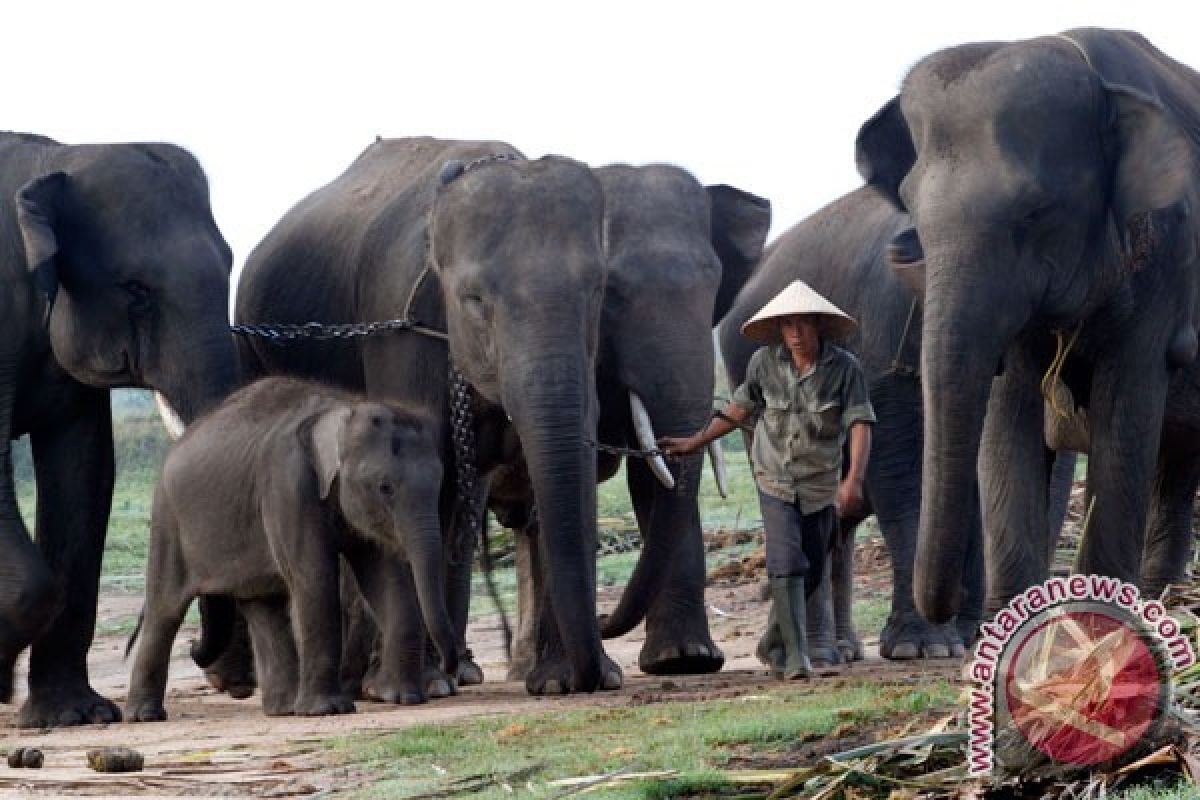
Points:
(797, 543)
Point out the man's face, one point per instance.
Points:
(800, 332)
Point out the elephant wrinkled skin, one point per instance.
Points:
(260, 501)
(505, 255)
(112, 274)
(1053, 183)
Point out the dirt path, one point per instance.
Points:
(215, 746)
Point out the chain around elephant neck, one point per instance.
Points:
(462, 435)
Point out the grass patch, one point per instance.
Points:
(692, 737)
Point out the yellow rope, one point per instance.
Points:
(1054, 372)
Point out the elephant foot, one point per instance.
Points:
(144, 709)
(851, 648)
(967, 629)
(66, 705)
(233, 671)
(519, 668)
(322, 705)
(825, 656)
(556, 677)
(438, 684)
(907, 636)
(398, 694)
(469, 672)
(679, 653)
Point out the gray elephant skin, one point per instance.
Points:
(259, 501)
(505, 255)
(112, 274)
(1053, 185)
(859, 252)
(678, 253)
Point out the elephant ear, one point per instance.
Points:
(740, 222)
(1154, 168)
(884, 152)
(38, 204)
(327, 447)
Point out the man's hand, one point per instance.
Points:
(849, 497)
(673, 446)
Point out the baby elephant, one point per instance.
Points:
(256, 503)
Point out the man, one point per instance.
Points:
(807, 394)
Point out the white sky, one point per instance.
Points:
(276, 99)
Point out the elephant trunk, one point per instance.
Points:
(425, 555)
(553, 408)
(667, 516)
(963, 341)
(199, 373)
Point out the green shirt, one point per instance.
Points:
(802, 421)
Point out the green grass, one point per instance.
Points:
(694, 738)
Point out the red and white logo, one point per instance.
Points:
(1075, 669)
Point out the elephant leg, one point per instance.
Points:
(165, 605)
(841, 559)
(551, 672)
(893, 486)
(1125, 413)
(29, 595)
(233, 671)
(1058, 496)
(678, 641)
(361, 641)
(458, 603)
(1012, 482)
(73, 464)
(391, 593)
(820, 623)
(1169, 532)
(529, 594)
(317, 626)
(275, 659)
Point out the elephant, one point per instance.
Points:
(1051, 183)
(259, 501)
(495, 264)
(114, 274)
(678, 252)
(859, 253)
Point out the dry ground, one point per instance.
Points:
(216, 746)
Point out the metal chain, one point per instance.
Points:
(623, 451)
(283, 332)
(462, 435)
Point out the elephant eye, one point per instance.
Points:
(386, 489)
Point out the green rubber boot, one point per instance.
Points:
(770, 650)
(789, 606)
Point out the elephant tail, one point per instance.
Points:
(218, 614)
(137, 629)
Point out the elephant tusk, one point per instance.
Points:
(717, 455)
(170, 419)
(647, 441)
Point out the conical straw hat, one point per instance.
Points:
(798, 298)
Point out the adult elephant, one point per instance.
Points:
(112, 274)
(859, 252)
(506, 256)
(678, 253)
(1051, 182)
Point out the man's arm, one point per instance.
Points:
(850, 491)
(730, 418)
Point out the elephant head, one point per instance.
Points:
(383, 470)
(678, 253)
(134, 275)
(1045, 189)
(518, 250)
